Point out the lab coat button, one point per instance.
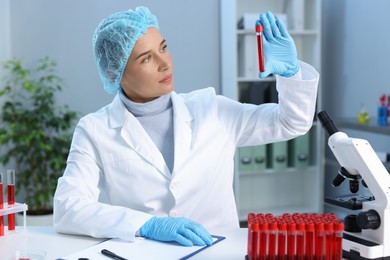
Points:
(174, 213)
(174, 184)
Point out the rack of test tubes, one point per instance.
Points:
(294, 236)
(9, 208)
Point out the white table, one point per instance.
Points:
(57, 245)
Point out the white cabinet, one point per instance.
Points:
(292, 187)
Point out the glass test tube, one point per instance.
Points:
(300, 240)
(1, 205)
(263, 239)
(253, 237)
(11, 197)
(319, 240)
(338, 237)
(249, 245)
(260, 49)
(282, 239)
(272, 239)
(291, 236)
(329, 240)
(309, 251)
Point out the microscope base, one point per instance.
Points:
(358, 248)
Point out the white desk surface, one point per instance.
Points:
(58, 245)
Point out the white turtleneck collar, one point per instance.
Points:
(150, 108)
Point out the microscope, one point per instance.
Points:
(359, 161)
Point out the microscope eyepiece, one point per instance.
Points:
(327, 123)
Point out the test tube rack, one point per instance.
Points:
(12, 209)
(298, 236)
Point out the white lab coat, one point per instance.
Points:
(112, 155)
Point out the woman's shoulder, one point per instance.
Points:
(198, 94)
(98, 117)
(198, 102)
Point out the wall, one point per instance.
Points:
(63, 30)
(355, 68)
(356, 54)
(5, 41)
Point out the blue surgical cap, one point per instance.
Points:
(113, 41)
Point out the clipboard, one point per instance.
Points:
(217, 240)
(141, 249)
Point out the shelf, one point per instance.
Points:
(271, 190)
(370, 127)
(246, 79)
(290, 170)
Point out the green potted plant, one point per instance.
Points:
(35, 131)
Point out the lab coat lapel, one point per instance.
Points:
(182, 131)
(135, 136)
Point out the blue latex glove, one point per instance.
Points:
(181, 230)
(280, 53)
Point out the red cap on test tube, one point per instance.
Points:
(331, 216)
(296, 216)
(270, 217)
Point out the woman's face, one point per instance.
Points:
(149, 71)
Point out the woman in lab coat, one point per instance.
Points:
(159, 164)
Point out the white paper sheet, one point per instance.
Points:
(139, 249)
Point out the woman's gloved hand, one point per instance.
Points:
(280, 53)
(181, 230)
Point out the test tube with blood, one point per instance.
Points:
(329, 239)
(300, 240)
(260, 49)
(272, 239)
(319, 239)
(338, 237)
(249, 219)
(282, 238)
(309, 240)
(253, 236)
(1, 205)
(272, 236)
(261, 243)
(250, 226)
(11, 197)
(263, 239)
(291, 239)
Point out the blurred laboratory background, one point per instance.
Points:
(347, 41)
